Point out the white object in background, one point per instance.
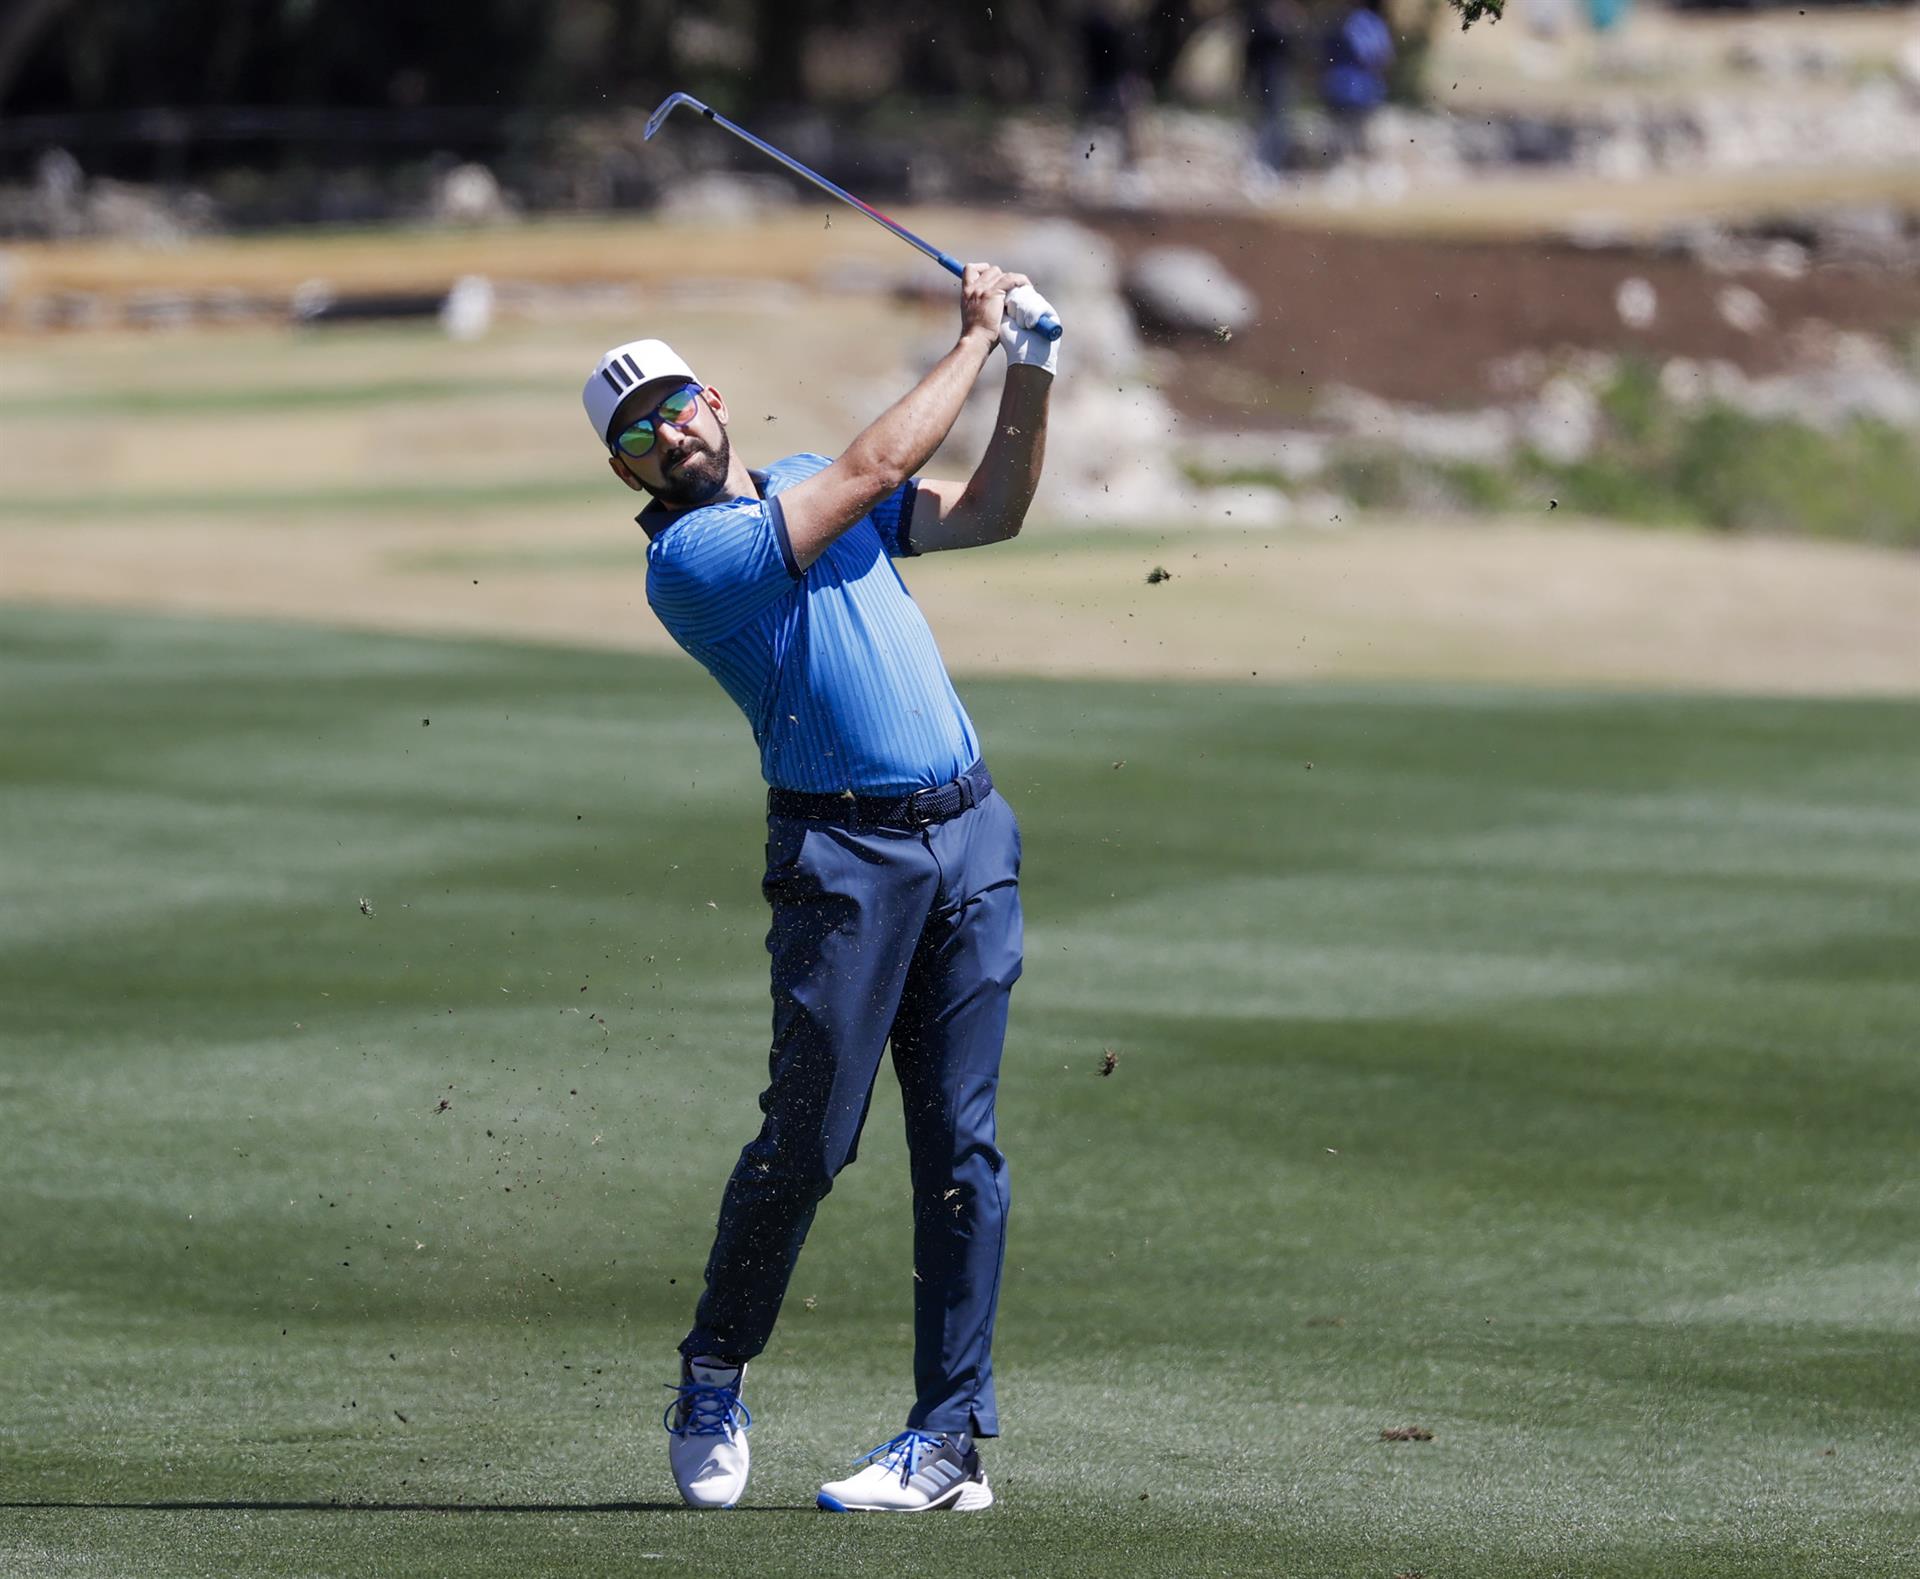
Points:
(467, 313)
(1637, 303)
(1906, 66)
(1185, 288)
(1742, 309)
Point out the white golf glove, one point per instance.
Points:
(1024, 346)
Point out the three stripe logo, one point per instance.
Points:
(940, 1475)
(621, 375)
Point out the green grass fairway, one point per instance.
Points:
(1539, 1070)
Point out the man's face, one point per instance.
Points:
(688, 463)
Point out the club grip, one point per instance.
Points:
(1031, 310)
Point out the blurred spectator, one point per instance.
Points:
(1115, 86)
(1274, 28)
(1357, 52)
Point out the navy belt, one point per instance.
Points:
(918, 810)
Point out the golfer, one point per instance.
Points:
(892, 863)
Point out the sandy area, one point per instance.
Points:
(1560, 604)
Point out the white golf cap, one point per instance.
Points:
(623, 370)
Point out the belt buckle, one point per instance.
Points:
(915, 817)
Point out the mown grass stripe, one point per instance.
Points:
(1536, 1071)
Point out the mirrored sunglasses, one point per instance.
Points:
(637, 438)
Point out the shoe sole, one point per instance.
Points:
(970, 1496)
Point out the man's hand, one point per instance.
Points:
(983, 299)
(1029, 347)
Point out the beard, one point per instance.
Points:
(698, 474)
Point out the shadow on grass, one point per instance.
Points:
(212, 1505)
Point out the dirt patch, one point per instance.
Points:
(1422, 320)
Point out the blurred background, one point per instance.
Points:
(1622, 296)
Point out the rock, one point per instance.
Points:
(1358, 414)
(1906, 66)
(1563, 422)
(1683, 381)
(1600, 231)
(1483, 437)
(1785, 260)
(1062, 258)
(1862, 233)
(1185, 289)
(1637, 303)
(310, 299)
(1741, 309)
(118, 211)
(1837, 376)
(1621, 158)
(468, 194)
(60, 185)
(467, 313)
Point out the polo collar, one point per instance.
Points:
(656, 518)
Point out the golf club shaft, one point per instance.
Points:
(1047, 325)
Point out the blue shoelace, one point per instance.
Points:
(710, 1409)
(905, 1451)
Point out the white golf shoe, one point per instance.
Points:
(917, 1472)
(707, 1434)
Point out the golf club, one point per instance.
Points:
(1040, 321)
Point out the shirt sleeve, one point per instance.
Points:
(719, 568)
(892, 517)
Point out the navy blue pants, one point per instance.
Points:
(883, 933)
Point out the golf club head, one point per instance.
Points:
(668, 105)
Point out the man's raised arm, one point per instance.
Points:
(900, 441)
(992, 504)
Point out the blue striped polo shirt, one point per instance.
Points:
(834, 666)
